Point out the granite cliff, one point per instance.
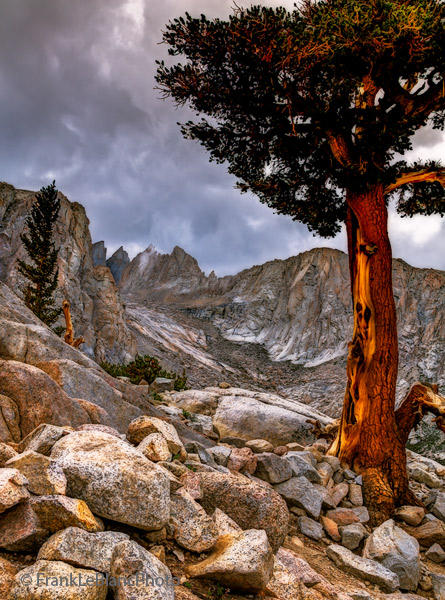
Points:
(95, 305)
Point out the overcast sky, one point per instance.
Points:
(77, 105)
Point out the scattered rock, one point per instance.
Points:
(237, 442)
(395, 549)
(191, 483)
(224, 523)
(438, 582)
(99, 427)
(299, 568)
(6, 452)
(272, 468)
(114, 479)
(196, 401)
(281, 450)
(37, 583)
(436, 553)
(21, 530)
(12, 488)
(301, 468)
(364, 568)
(242, 460)
(331, 528)
(438, 509)
(144, 425)
(191, 527)
(355, 494)
(430, 533)
(423, 476)
(343, 516)
(7, 577)
(284, 585)
(298, 491)
(242, 561)
(326, 472)
(310, 528)
(259, 446)
(333, 461)
(155, 447)
(412, 515)
(131, 560)
(352, 535)
(42, 438)
(220, 454)
(82, 549)
(336, 495)
(59, 512)
(250, 505)
(44, 475)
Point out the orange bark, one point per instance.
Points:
(368, 438)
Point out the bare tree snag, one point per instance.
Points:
(69, 335)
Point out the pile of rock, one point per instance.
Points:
(154, 507)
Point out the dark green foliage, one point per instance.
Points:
(306, 105)
(145, 368)
(42, 273)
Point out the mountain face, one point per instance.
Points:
(96, 309)
(298, 310)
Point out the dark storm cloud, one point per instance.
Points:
(77, 104)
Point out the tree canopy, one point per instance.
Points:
(304, 105)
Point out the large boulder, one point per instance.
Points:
(364, 568)
(241, 561)
(151, 578)
(298, 491)
(82, 549)
(12, 488)
(58, 512)
(250, 505)
(45, 580)
(114, 479)
(396, 550)
(38, 398)
(21, 530)
(191, 526)
(250, 419)
(45, 476)
(7, 575)
(89, 384)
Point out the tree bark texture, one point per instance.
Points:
(368, 438)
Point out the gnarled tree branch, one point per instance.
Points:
(417, 176)
(421, 400)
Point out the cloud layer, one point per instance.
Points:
(77, 105)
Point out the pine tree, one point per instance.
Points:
(313, 111)
(39, 244)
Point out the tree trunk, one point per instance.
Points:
(368, 438)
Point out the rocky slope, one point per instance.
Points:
(95, 305)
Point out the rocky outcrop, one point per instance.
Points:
(117, 263)
(89, 289)
(99, 254)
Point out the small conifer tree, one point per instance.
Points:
(38, 241)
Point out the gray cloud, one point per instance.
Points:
(78, 105)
